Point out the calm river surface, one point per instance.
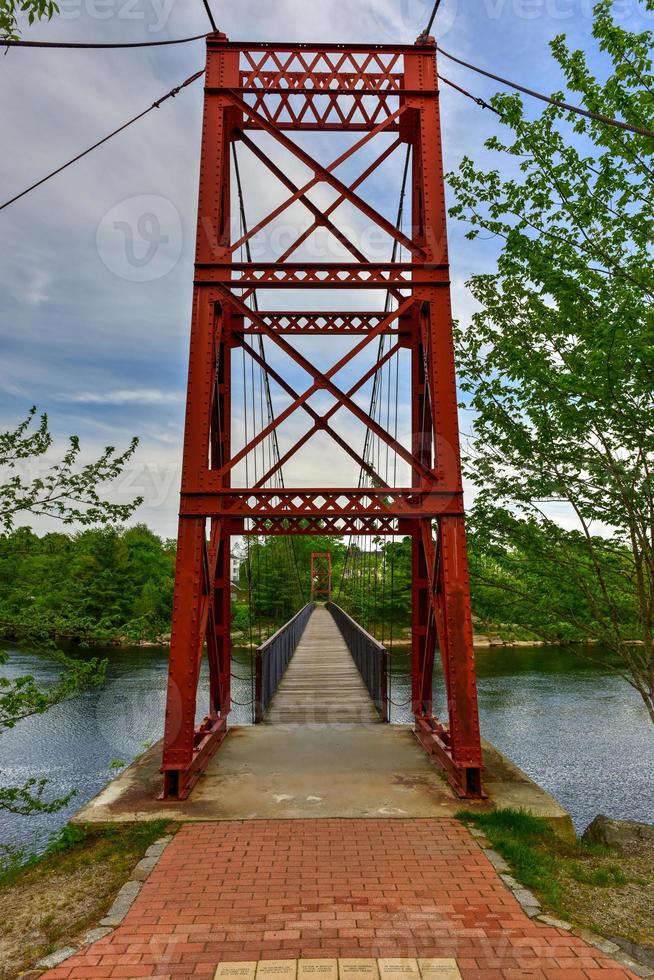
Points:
(576, 728)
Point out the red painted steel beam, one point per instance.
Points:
(246, 503)
(215, 42)
(320, 218)
(330, 275)
(323, 381)
(442, 596)
(383, 156)
(326, 174)
(321, 421)
(335, 526)
(279, 210)
(320, 323)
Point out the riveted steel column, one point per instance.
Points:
(458, 746)
(201, 596)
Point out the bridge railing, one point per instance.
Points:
(272, 658)
(370, 656)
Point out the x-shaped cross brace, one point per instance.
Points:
(322, 173)
(323, 380)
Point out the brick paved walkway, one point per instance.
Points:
(311, 888)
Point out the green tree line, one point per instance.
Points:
(116, 584)
(99, 584)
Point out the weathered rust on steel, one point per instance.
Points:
(373, 91)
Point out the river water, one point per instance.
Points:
(578, 729)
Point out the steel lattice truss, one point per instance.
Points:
(255, 96)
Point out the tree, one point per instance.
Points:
(65, 490)
(71, 493)
(35, 10)
(558, 362)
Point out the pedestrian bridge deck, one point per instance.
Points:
(322, 751)
(322, 683)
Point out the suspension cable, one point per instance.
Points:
(559, 103)
(207, 7)
(94, 45)
(430, 23)
(475, 98)
(155, 105)
(532, 93)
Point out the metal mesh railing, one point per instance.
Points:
(370, 656)
(272, 658)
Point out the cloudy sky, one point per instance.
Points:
(95, 300)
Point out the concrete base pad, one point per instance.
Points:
(300, 771)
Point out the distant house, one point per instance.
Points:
(238, 593)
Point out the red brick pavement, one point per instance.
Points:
(288, 888)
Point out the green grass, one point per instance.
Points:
(612, 874)
(73, 838)
(49, 898)
(540, 860)
(522, 840)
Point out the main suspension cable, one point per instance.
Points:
(207, 7)
(95, 45)
(155, 105)
(559, 103)
(430, 23)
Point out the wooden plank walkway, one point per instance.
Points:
(322, 682)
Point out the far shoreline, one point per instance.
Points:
(70, 643)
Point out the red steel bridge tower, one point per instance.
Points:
(369, 101)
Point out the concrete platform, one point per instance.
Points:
(302, 771)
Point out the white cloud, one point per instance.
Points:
(125, 396)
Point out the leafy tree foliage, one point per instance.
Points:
(103, 584)
(375, 586)
(33, 571)
(35, 10)
(65, 490)
(543, 582)
(558, 362)
(372, 584)
(275, 574)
